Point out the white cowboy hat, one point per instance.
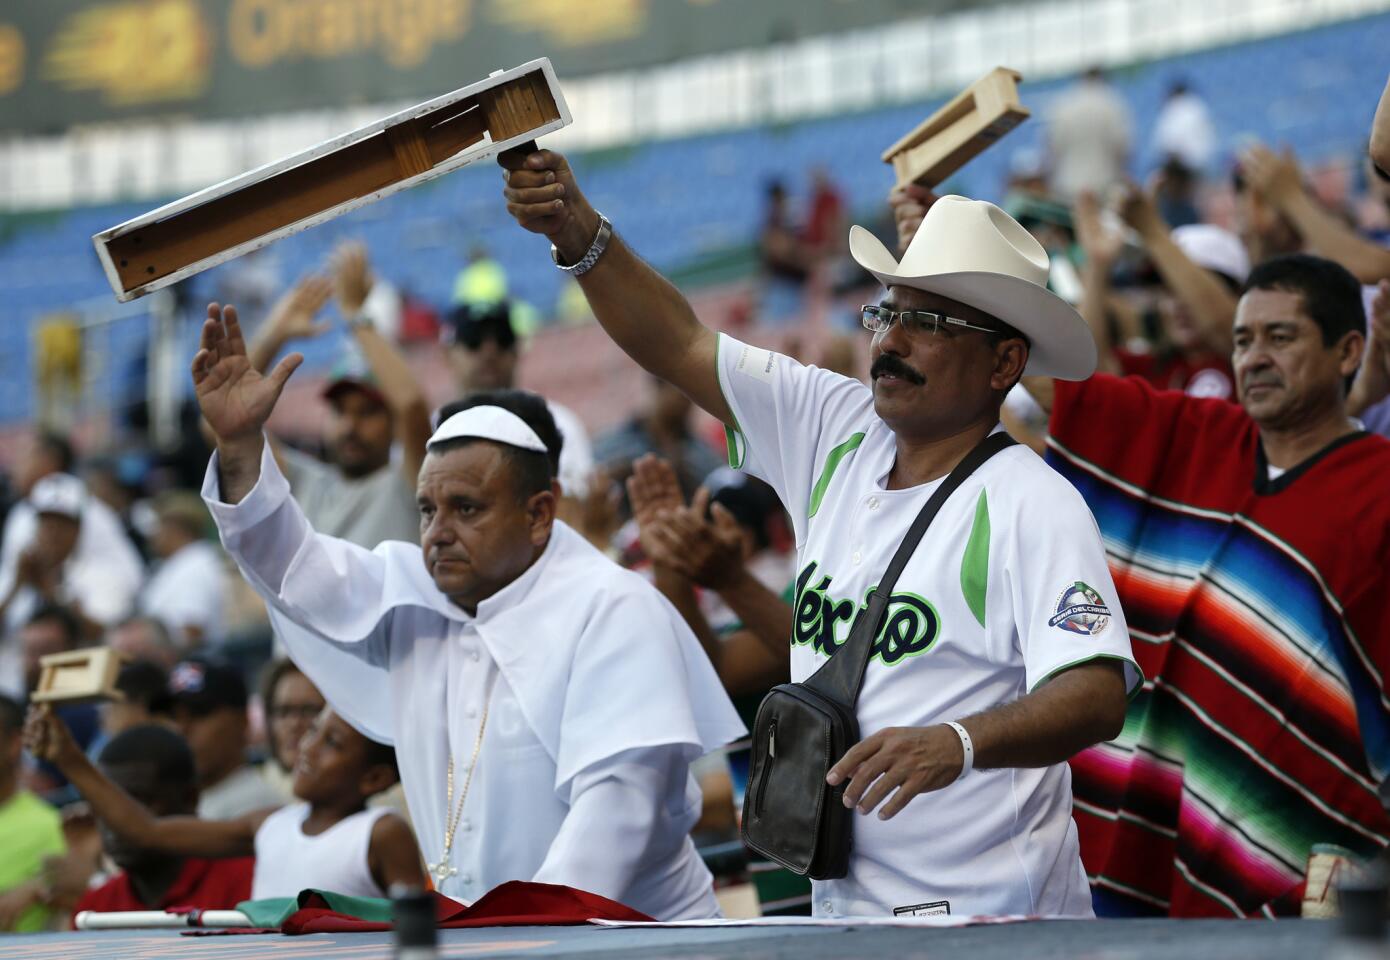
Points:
(973, 252)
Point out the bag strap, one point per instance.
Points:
(840, 677)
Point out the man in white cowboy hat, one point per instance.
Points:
(544, 703)
(1003, 653)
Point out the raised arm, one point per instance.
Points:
(1211, 304)
(1372, 383)
(639, 308)
(236, 400)
(1277, 178)
(410, 412)
(1380, 132)
(1100, 247)
(47, 738)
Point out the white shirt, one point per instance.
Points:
(1184, 130)
(576, 453)
(1008, 587)
(600, 697)
(288, 860)
(188, 589)
(1088, 139)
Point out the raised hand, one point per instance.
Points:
(910, 205)
(292, 317)
(1139, 210)
(235, 400)
(653, 491)
(707, 551)
(352, 278)
(47, 737)
(543, 197)
(1101, 246)
(1276, 176)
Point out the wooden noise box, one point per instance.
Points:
(247, 212)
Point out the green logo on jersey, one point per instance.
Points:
(910, 627)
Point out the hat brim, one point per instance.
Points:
(1060, 343)
(334, 388)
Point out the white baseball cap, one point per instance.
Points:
(489, 423)
(975, 253)
(1215, 249)
(59, 493)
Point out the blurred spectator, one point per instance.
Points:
(209, 705)
(1088, 138)
(291, 703)
(115, 483)
(144, 687)
(660, 426)
(1201, 268)
(187, 590)
(483, 354)
(77, 555)
(786, 261)
(825, 231)
(482, 282)
(1183, 130)
(144, 638)
(1174, 189)
(1247, 545)
(327, 841)
(365, 495)
(156, 768)
(30, 832)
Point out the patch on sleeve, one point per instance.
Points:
(1080, 609)
(757, 363)
(941, 908)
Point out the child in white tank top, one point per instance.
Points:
(328, 841)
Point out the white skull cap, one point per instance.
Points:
(489, 423)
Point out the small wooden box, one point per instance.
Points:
(963, 128)
(79, 676)
(282, 198)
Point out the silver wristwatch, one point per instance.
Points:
(586, 262)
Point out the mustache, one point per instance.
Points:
(887, 363)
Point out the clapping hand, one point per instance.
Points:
(1275, 176)
(352, 278)
(235, 400)
(653, 491)
(292, 317)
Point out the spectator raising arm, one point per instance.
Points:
(1373, 380)
(1100, 247)
(1276, 177)
(644, 314)
(1211, 304)
(47, 738)
(352, 282)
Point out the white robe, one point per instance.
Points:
(600, 698)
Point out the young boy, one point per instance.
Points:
(329, 841)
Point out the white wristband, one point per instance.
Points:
(967, 745)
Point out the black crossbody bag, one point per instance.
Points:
(790, 814)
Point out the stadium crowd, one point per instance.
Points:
(1231, 448)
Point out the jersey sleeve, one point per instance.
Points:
(1064, 601)
(790, 419)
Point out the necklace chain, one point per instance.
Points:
(453, 814)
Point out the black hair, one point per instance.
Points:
(379, 754)
(11, 715)
(72, 627)
(1331, 295)
(534, 471)
(158, 746)
(57, 446)
(146, 683)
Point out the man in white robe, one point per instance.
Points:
(544, 704)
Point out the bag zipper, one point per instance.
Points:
(761, 787)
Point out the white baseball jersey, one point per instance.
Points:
(1008, 587)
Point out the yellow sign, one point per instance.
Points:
(134, 52)
(404, 32)
(570, 24)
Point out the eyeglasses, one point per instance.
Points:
(924, 322)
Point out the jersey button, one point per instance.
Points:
(873, 503)
(856, 558)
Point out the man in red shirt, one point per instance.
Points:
(154, 765)
(1248, 545)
